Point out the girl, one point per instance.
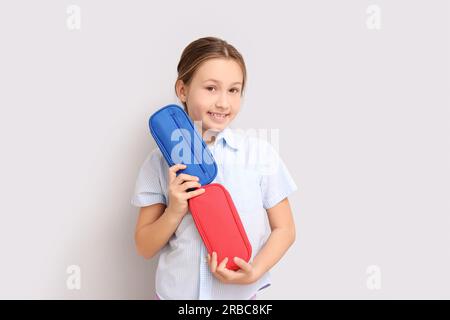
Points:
(210, 84)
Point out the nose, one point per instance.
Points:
(222, 101)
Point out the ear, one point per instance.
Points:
(181, 90)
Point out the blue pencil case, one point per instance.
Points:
(180, 142)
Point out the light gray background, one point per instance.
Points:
(364, 128)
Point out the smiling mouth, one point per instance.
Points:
(218, 116)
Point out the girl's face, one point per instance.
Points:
(214, 94)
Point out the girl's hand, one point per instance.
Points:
(177, 186)
(245, 275)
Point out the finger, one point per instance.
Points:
(192, 194)
(214, 262)
(225, 273)
(222, 265)
(182, 177)
(241, 263)
(221, 278)
(187, 185)
(173, 171)
(221, 269)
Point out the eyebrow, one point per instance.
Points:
(237, 82)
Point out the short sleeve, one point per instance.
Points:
(148, 189)
(276, 182)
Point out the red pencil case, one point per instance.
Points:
(219, 225)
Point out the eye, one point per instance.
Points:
(209, 88)
(237, 90)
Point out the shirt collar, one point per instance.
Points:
(229, 137)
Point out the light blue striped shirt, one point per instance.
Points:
(256, 178)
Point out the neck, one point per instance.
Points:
(209, 138)
(208, 135)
